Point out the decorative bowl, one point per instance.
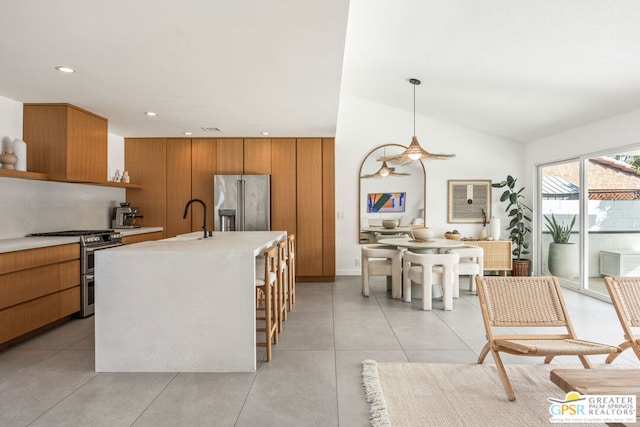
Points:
(390, 223)
(421, 233)
(452, 236)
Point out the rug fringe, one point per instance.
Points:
(379, 416)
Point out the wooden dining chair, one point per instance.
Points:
(428, 270)
(534, 304)
(267, 301)
(625, 297)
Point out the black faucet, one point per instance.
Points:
(204, 223)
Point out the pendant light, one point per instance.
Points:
(414, 151)
(385, 170)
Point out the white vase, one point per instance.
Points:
(495, 228)
(20, 150)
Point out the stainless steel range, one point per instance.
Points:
(90, 242)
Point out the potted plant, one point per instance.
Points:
(518, 228)
(563, 255)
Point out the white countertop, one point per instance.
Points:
(23, 243)
(183, 304)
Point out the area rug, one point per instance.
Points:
(438, 394)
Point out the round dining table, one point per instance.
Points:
(421, 246)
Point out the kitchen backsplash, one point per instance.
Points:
(28, 206)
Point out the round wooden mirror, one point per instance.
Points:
(398, 196)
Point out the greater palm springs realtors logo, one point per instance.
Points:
(577, 408)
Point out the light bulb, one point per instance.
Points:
(414, 156)
(384, 172)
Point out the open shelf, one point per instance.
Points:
(44, 177)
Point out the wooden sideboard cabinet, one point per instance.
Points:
(38, 287)
(497, 255)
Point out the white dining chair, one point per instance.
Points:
(382, 261)
(471, 264)
(429, 270)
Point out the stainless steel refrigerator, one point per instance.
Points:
(242, 202)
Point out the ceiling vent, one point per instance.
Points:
(211, 129)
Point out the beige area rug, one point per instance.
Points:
(439, 394)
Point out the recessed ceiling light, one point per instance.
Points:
(264, 133)
(187, 133)
(64, 69)
(150, 113)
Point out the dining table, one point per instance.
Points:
(421, 246)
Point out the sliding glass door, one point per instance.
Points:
(601, 195)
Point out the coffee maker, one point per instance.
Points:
(124, 216)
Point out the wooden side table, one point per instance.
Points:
(600, 381)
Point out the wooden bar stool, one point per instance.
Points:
(291, 270)
(267, 301)
(282, 282)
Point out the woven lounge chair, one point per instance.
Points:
(625, 296)
(529, 302)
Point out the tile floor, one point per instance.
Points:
(313, 380)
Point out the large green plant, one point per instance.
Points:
(560, 233)
(518, 213)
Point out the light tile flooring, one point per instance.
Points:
(313, 380)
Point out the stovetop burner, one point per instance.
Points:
(69, 233)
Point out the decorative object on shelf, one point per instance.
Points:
(414, 151)
(518, 225)
(494, 228)
(20, 150)
(125, 177)
(467, 199)
(116, 176)
(564, 260)
(8, 159)
(484, 234)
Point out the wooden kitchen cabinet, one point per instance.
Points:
(257, 156)
(179, 187)
(66, 142)
(146, 160)
(315, 237)
(283, 185)
(230, 156)
(144, 237)
(38, 287)
(203, 168)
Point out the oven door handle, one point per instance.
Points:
(89, 277)
(92, 249)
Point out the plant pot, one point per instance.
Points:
(521, 267)
(564, 260)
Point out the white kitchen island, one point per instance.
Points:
(184, 304)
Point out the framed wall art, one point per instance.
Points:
(467, 200)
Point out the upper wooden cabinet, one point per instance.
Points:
(65, 142)
(257, 156)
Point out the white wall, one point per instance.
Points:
(364, 125)
(28, 206)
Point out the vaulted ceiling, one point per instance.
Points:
(518, 69)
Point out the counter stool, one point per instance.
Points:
(281, 272)
(267, 301)
(291, 270)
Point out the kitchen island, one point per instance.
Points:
(183, 304)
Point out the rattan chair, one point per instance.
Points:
(531, 303)
(625, 296)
